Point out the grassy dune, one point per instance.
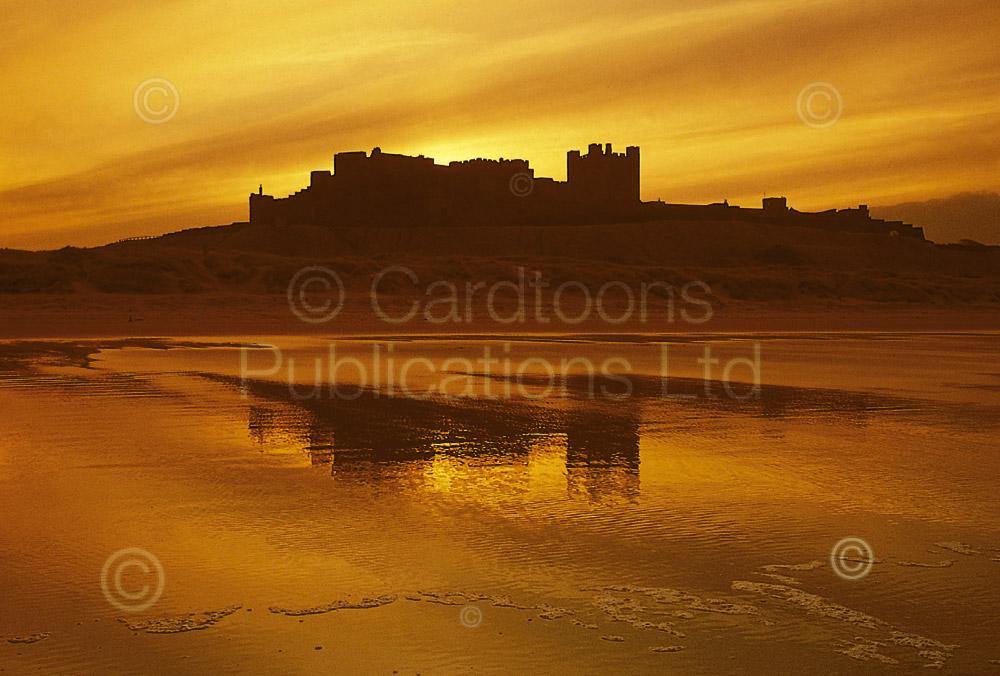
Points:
(232, 280)
(740, 262)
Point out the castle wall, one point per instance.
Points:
(602, 186)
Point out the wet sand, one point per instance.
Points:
(566, 533)
(121, 315)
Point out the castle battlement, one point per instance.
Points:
(380, 189)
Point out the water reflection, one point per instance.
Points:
(376, 437)
(602, 455)
(368, 435)
(531, 500)
(373, 434)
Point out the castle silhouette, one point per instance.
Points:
(602, 186)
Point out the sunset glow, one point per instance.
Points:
(268, 92)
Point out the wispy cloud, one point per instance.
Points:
(272, 90)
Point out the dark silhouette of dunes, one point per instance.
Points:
(966, 216)
(740, 261)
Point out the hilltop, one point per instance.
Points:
(234, 278)
(970, 215)
(747, 261)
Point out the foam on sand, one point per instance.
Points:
(340, 604)
(28, 638)
(934, 652)
(180, 623)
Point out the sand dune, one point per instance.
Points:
(235, 278)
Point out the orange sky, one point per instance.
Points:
(270, 90)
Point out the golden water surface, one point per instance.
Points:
(649, 519)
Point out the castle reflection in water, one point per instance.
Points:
(375, 436)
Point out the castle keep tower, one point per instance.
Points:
(604, 176)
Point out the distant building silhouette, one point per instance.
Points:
(602, 186)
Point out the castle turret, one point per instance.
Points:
(603, 176)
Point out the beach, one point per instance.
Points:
(688, 527)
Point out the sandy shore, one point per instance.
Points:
(95, 315)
